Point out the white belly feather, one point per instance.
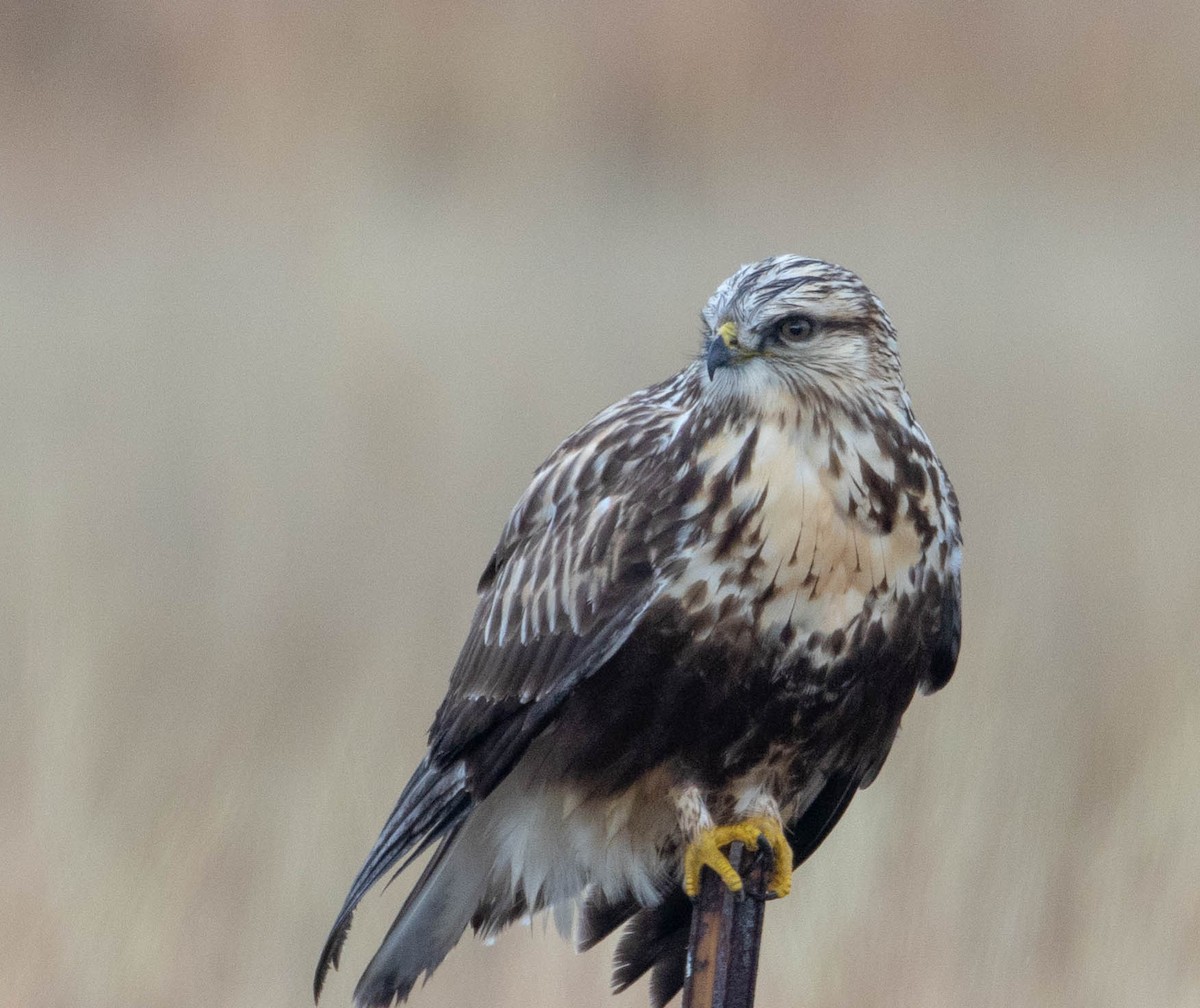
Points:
(824, 560)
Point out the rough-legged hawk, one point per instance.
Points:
(702, 622)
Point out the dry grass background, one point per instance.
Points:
(295, 296)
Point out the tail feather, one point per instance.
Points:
(666, 980)
(433, 805)
(432, 920)
(601, 917)
(656, 937)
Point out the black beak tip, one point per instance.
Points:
(717, 356)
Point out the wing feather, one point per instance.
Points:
(588, 549)
(431, 807)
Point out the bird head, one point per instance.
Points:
(802, 325)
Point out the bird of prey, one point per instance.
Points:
(702, 623)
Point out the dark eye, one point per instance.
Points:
(795, 328)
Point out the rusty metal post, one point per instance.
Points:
(722, 959)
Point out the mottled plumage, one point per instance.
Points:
(713, 602)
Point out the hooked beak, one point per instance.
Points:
(721, 348)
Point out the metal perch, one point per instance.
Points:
(722, 958)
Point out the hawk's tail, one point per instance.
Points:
(656, 938)
(433, 807)
(486, 873)
(431, 921)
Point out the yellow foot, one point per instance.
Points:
(706, 850)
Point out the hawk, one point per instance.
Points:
(702, 623)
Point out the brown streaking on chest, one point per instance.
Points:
(800, 628)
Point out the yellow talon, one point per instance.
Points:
(706, 850)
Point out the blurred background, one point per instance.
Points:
(294, 297)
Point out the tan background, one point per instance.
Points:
(294, 296)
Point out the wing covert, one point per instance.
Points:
(587, 550)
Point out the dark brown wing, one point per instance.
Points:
(945, 638)
(586, 551)
(589, 547)
(555, 605)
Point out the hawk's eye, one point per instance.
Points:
(795, 329)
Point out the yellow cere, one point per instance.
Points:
(728, 333)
